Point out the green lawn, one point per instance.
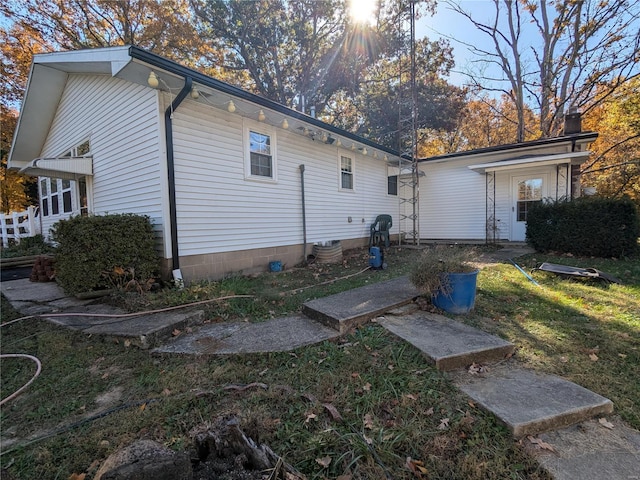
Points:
(393, 404)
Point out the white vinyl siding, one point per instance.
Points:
(219, 210)
(452, 202)
(121, 121)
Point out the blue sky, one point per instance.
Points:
(460, 31)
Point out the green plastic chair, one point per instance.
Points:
(380, 230)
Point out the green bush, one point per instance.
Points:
(109, 251)
(590, 227)
(28, 246)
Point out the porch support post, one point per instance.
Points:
(490, 190)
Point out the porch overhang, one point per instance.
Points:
(532, 161)
(70, 168)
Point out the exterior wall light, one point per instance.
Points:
(152, 81)
(285, 124)
(231, 107)
(261, 116)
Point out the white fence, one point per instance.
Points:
(17, 225)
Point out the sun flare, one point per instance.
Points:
(363, 11)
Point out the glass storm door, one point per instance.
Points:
(526, 192)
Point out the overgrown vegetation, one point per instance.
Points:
(27, 247)
(393, 404)
(105, 251)
(429, 271)
(588, 226)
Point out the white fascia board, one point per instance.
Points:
(536, 161)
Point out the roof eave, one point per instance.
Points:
(580, 138)
(200, 78)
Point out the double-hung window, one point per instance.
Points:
(346, 173)
(260, 152)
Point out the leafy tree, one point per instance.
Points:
(18, 191)
(485, 122)
(581, 45)
(300, 52)
(375, 112)
(163, 26)
(614, 168)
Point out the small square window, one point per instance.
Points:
(346, 173)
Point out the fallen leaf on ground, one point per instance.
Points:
(605, 423)
(416, 467)
(444, 424)
(476, 369)
(429, 412)
(333, 411)
(310, 416)
(309, 397)
(368, 440)
(411, 396)
(324, 461)
(541, 443)
(142, 407)
(593, 357)
(77, 476)
(368, 421)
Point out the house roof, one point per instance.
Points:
(49, 73)
(530, 161)
(514, 152)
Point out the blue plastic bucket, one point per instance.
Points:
(460, 297)
(275, 266)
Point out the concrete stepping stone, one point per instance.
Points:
(277, 335)
(144, 331)
(591, 451)
(528, 402)
(351, 308)
(447, 343)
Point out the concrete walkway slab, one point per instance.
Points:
(27, 291)
(349, 309)
(590, 451)
(277, 335)
(529, 402)
(447, 343)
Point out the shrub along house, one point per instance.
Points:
(232, 181)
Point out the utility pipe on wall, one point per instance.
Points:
(173, 216)
(304, 217)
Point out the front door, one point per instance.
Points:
(526, 191)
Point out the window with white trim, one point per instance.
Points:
(346, 173)
(56, 196)
(260, 152)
